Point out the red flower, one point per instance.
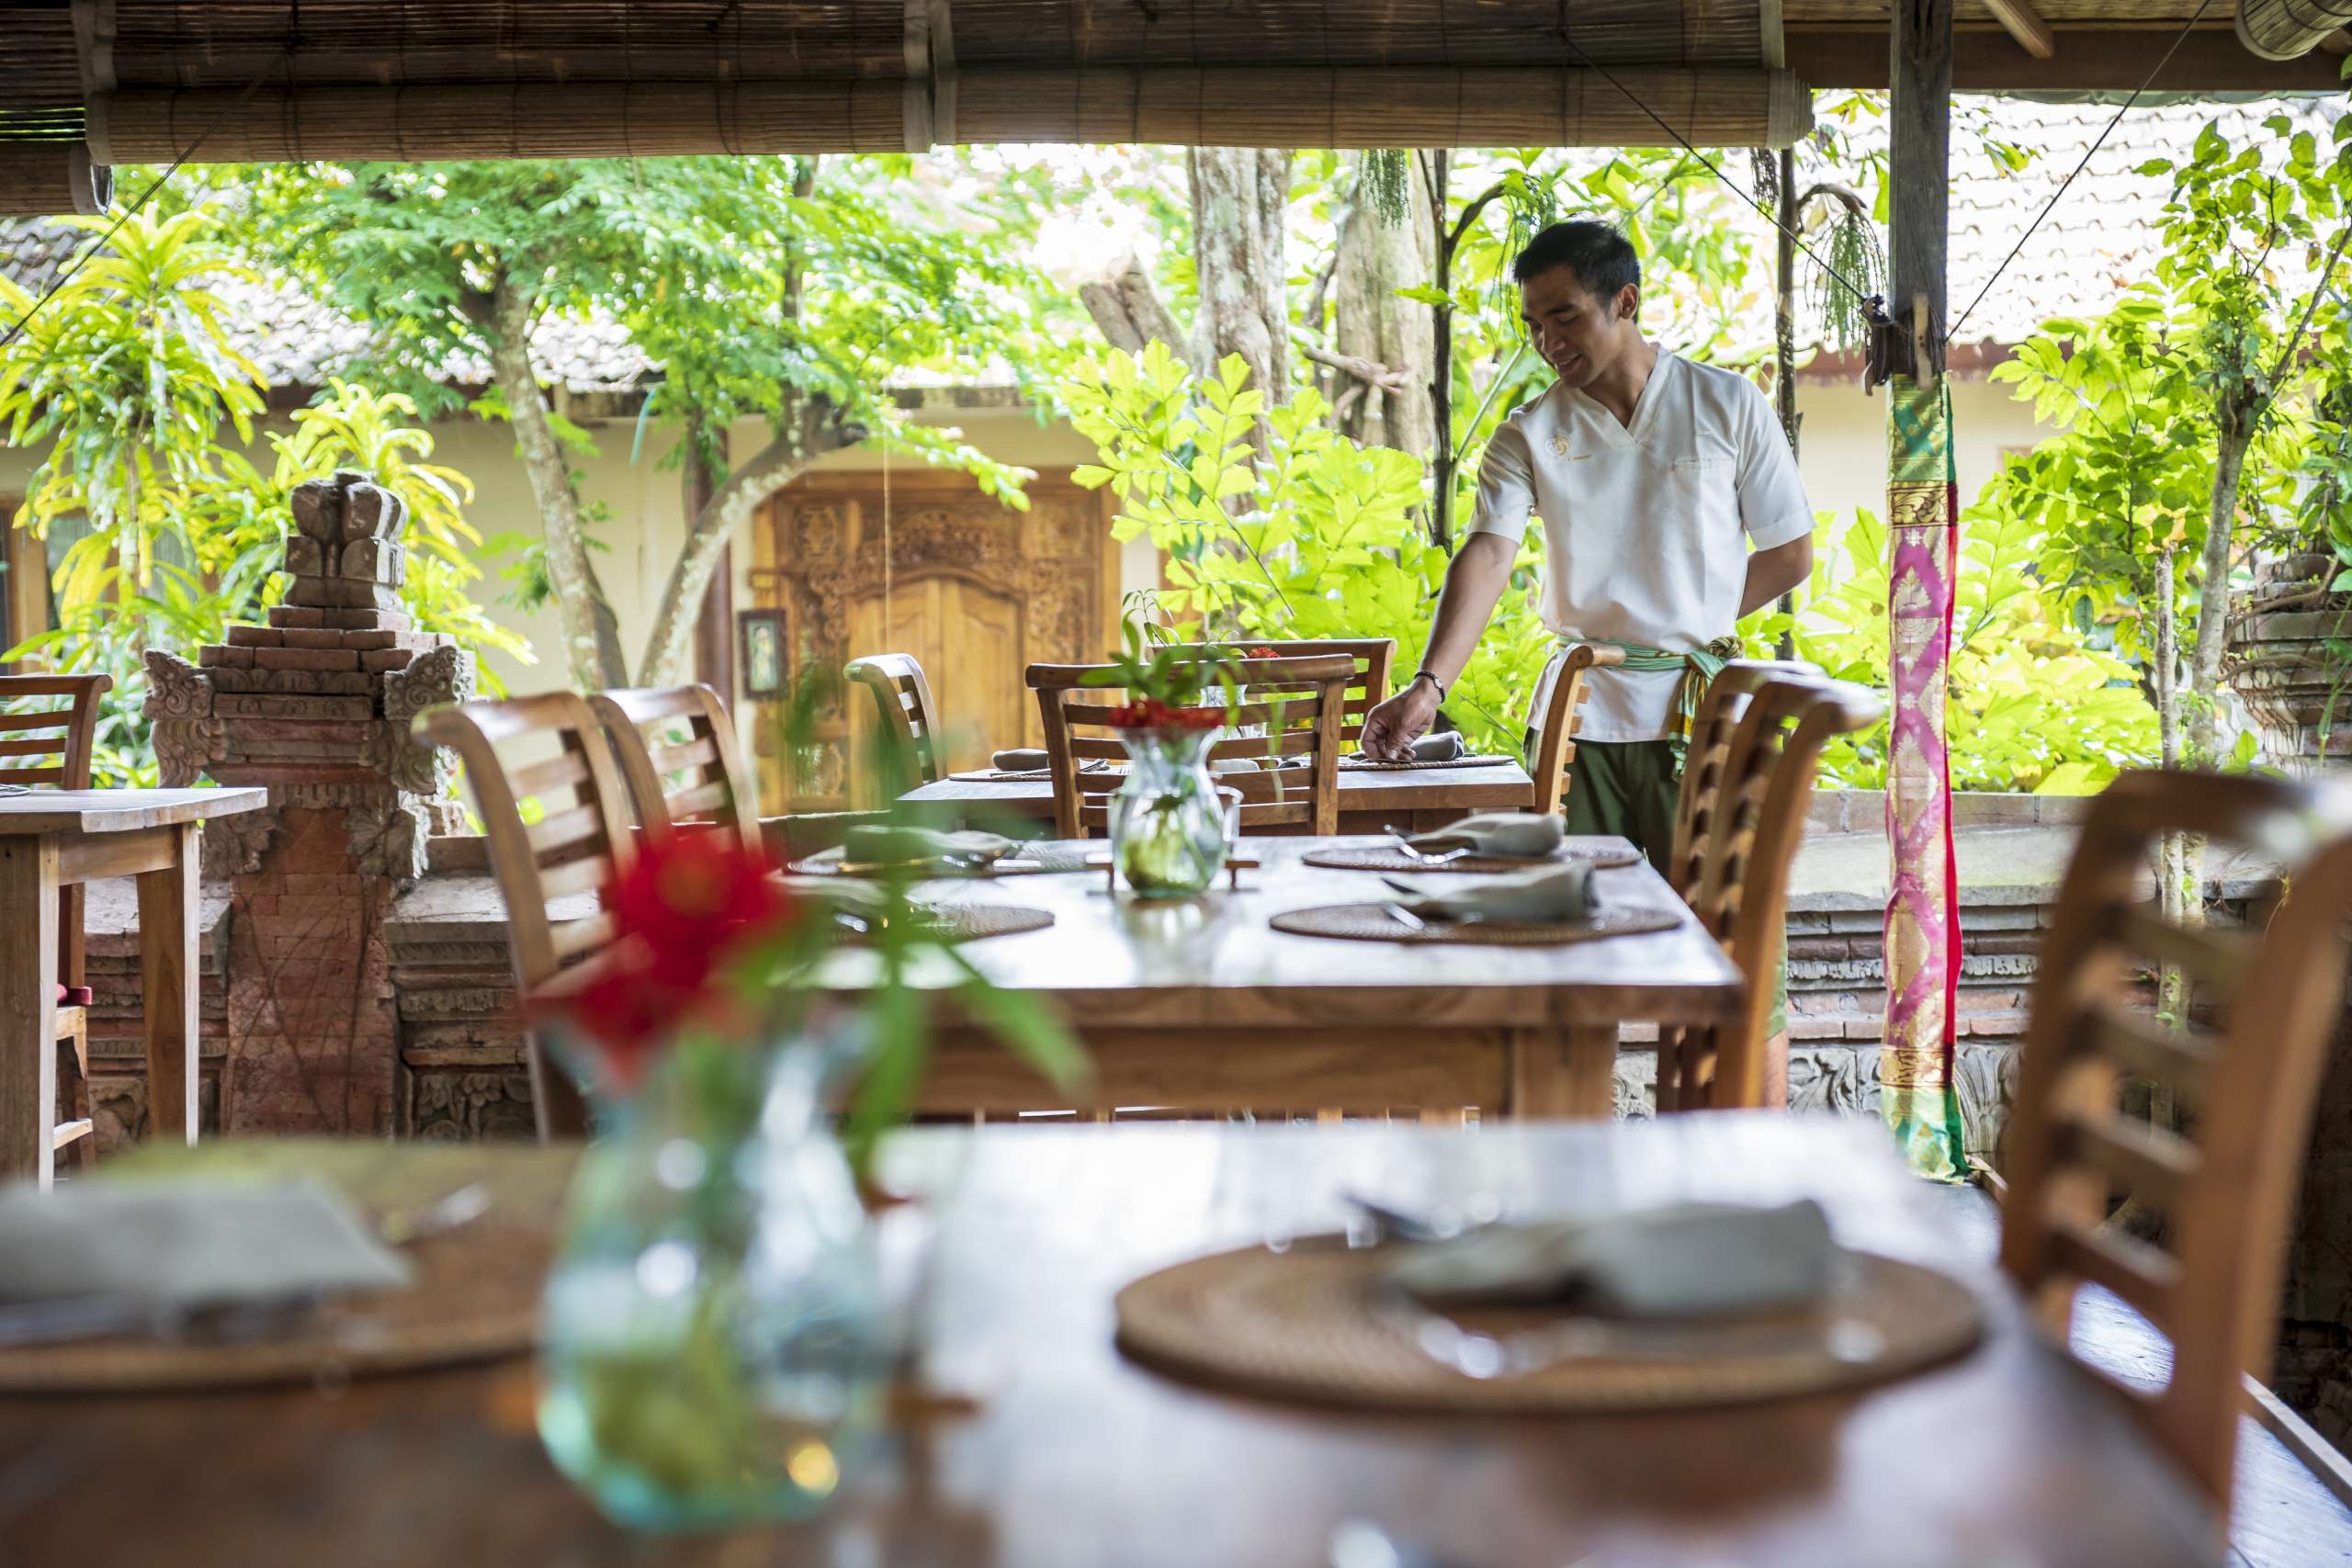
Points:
(628, 1009)
(1262, 653)
(1153, 713)
(693, 895)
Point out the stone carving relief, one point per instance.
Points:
(465, 1107)
(435, 676)
(187, 737)
(233, 846)
(389, 841)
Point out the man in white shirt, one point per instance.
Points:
(1653, 476)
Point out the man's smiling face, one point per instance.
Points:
(1579, 336)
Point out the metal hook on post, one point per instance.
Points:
(1923, 365)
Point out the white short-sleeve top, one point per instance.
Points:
(1644, 523)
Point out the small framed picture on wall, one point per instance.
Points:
(762, 644)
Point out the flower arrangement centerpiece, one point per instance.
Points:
(712, 1350)
(1169, 832)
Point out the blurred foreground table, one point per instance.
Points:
(54, 838)
(1371, 799)
(1075, 1456)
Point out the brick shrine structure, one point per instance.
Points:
(316, 706)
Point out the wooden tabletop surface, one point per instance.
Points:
(1498, 786)
(1214, 960)
(1076, 1456)
(119, 810)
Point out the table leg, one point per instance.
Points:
(1569, 1071)
(167, 934)
(27, 1005)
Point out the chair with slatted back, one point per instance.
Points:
(1702, 770)
(693, 742)
(43, 742)
(1300, 704)
(2225, 1189)
(572, 849)
(1552, 722)
(1367, 689)
(1749, 827)
(910, 717)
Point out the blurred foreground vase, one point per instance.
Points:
(712, 1347)
(1168, 829)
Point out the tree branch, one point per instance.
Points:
(1129, 312)
(1388, 378)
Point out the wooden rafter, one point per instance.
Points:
(2023, 23)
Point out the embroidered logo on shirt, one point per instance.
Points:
(1560, 449)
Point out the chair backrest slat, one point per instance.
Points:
(1744, 821)
(1557, 712)
(910, 717)
(74, 744)
(2245, 1069)
(571, 858)
(696, 772)
(1375, 658)
(1303, 716)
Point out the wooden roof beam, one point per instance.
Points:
(2023, 23)
(2088, 60)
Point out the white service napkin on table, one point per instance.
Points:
(1553, 895)
(880, 845)
(187, 1245)
(1518, 835)
(1683, 1261)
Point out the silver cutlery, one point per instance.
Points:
(1406, 918)
(1423, 857)
(461, 1207)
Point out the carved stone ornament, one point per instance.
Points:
(434, 677)
(390, 840)
(233, 846)
(175, 689)
(415, 767)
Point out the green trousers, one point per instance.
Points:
(1630, 788)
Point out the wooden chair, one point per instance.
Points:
(1695, 808)
(1552, 747)
(2225, 1189)
(578, 848)
(1750, 822)
(717, 786)
(910, 717)
(51, 745)
(1375, 657)
(1301, 701)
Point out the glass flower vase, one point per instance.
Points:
(712, 1344)
(1168, 829)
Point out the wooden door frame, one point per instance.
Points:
(813, 576)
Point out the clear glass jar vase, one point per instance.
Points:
(712, 1350)
(1168, 821)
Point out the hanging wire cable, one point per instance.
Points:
(1711, 166)
(132, 211)
(2178, 39)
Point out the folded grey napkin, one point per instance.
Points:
(1550, 897)
(1526, 835)
(1443, 747)
(885, 846)
(187, 1245)
(1019, 760)
(1233, 765)
(1687, 1261)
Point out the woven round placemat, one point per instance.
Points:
(1049, 859)
(476, 1298)
(1373, 923)
(1387, 858)
(1357, 759)
(970, 923)
(1305, 1325)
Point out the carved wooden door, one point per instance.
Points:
(974, 590)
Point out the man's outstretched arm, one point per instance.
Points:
(1474, 583)
(1773, 572)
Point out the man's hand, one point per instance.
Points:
(1390, 730)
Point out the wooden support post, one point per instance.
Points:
(1920, 166)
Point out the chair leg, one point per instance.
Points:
(76, 1070)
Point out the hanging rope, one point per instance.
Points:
(2178, 39)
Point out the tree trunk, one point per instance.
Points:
(591, 641)
(797, 442)
(1129, 313)
(2179, 858)
(1376, 258)
(1239, 195)
(1441, 356)
(1784, 339)
(2206, 746)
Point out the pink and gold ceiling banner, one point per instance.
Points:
(1917, 1087)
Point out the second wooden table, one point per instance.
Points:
(1200, 1005)
(1371, 799)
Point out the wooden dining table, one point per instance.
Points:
(54, 838)
(1371, 799)
(1200, 1004)
(1040, 1444)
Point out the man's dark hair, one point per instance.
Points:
(1601, 259)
